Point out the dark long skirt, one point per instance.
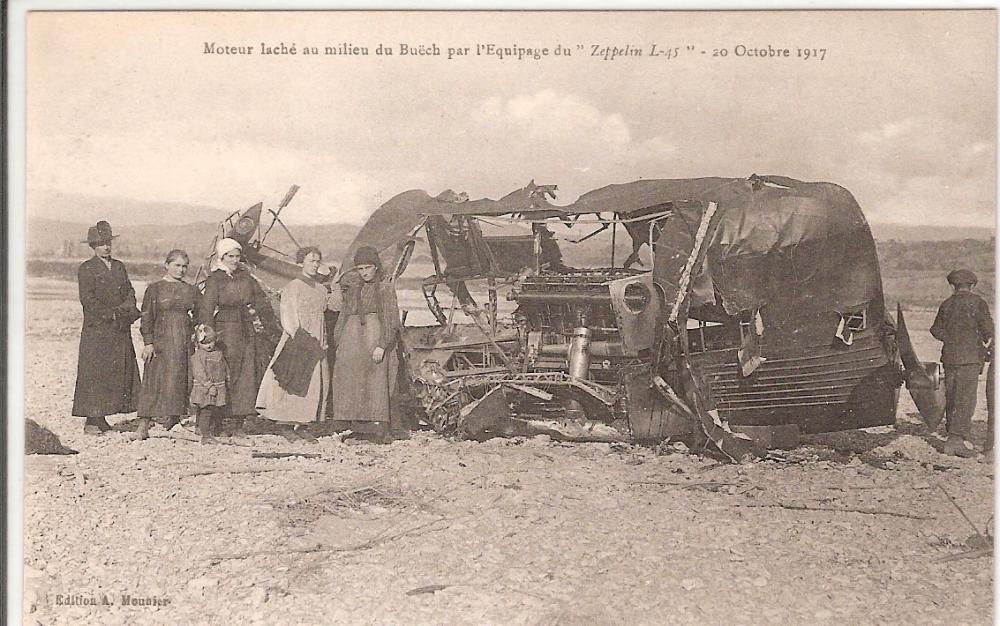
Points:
(107, 374)
(244, 368)
(165, 388)
(361, 387)
(166, 379)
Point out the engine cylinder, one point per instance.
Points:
(579, 352)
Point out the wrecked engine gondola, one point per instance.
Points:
(761, 316)
(762, 313)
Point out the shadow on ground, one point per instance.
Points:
(864, 441)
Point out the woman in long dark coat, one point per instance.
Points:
(168, 308)
(107, 374)
(237, 308)
(366, 336)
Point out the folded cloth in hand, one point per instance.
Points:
(294, 365)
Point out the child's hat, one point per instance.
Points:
(204, 334)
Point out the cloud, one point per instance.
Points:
(933, 200)
(110, 114)
(888, 131)
(927, 170)
(555, 119)
(151, 166)
(658, 146)
(566, 139)
(924, 146)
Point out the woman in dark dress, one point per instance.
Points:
(166, 325)
(237, 308)
(364, 374)
(107, 375)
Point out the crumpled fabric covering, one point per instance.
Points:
(779, 241)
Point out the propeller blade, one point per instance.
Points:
(923, 380)
(906, 352)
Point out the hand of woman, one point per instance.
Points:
(378, 354)
(148, 352)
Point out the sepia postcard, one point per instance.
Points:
(501, 317)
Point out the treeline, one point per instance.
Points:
(72, 249)
(65, 269)
(53, 239)
(944, 256)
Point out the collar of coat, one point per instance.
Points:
(227, 272)
(98, 261)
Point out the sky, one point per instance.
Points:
(901, 110)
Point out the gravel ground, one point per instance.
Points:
(433, 531)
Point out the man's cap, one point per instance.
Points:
(962, 277)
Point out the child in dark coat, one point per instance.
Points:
(209, 374)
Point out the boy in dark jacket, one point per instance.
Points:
(965, 326)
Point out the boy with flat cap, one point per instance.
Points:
(964, 325)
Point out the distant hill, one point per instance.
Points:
(910, 232)
(49, 205)
(901, 247)
(47, 239)
(84, 209)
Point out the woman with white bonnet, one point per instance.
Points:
(236, 306)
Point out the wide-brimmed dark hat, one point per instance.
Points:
(100, 234)
(962, 277)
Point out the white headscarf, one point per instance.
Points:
(225, 245)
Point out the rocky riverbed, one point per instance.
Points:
(865, 527)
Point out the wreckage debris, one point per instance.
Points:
(761, 313)
(41, 440)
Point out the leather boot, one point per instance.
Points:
(204, 423)
(303, 433)
(383, 434)
(239, 428)
(290, 434)
(400, 434)
(955, 446)
(90, 427)
(170, 422)
(142, 432)
(103, 424)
